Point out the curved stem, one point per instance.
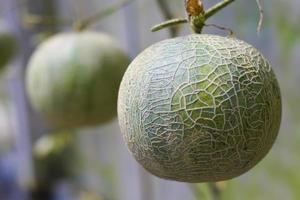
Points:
(230, 32)
(261, 15)
(166, 24)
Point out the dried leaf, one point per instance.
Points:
(194, 7)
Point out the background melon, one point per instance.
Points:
(55, 160)
(199, 108)
(73, 79)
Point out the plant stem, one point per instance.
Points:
(219, 6)
(230, 32)
(165, 9)
(197, 22)
(169, 23)
(85, 23)
(261, 15)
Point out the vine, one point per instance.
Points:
(166, 11)
(197, 16)
(261, 15)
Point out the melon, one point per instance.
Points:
(73, 79)
(7, 45)
(55, 160)
(199, 108)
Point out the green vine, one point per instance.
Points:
(197, 16)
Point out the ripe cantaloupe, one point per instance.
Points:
(199, 108)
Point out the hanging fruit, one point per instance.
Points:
(55, 160)
(73, 79)
(199, 108)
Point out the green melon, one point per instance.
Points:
(199, 108)
(7, 45)
(55, 159)
(73, 79)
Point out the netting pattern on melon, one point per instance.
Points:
(199, 108)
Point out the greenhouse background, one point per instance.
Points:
(104, 168)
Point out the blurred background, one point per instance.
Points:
(94, 163)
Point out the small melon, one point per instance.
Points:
(73, 79)
(54, 159)
(199, 108)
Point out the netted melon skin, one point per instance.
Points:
(199, 108)
(73, 79)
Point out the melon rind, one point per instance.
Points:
(199, 108)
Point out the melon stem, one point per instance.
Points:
(216, 8)
(171, 22)
(196, 13)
